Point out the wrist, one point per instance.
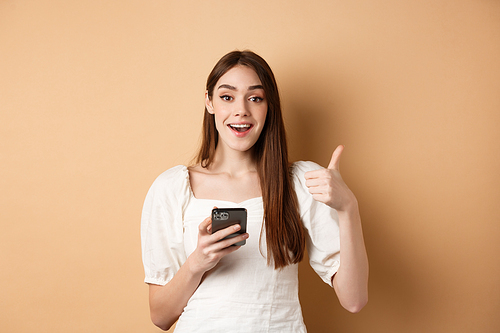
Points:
(350, 206)
(195, 270)
(350, 210)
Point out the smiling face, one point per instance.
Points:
(240, 108)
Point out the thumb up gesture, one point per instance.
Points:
(328, 187)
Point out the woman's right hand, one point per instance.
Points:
(167, 302)
(212, 248)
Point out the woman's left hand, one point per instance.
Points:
(351, 280)
(327, 185)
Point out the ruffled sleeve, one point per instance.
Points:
(321, 223)
(161, 225)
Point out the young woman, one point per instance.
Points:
(197, 277)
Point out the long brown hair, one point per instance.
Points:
(285, 236)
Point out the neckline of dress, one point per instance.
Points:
(218, 200)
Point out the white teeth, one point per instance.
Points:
(240, 125)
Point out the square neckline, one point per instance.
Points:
(191, 193)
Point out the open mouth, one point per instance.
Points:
(240, 127)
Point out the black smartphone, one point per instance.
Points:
(225, 217)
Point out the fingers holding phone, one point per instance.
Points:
(230, 237)
(215, 240)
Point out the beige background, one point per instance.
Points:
(99, 97)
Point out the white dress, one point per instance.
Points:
(242, 293)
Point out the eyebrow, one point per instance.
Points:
(230, 87)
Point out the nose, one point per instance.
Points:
(241, 109)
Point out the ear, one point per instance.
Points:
(208, 103)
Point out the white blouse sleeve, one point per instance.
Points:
(161, 226)
(321, 223)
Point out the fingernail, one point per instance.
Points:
(237, 227)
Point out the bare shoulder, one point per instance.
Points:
(197, 168)
(198, 173)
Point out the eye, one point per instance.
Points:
(226, 98)
(256, 99)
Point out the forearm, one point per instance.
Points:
(167, 302)
(351, 280)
